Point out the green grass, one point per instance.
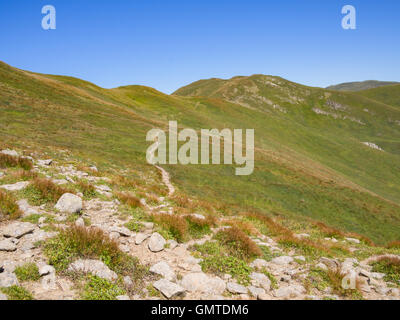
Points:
(101, 289)
(9, 208)
(17, 293)
(391, 269)
(217, 260)
(27, 272)
(308, 166)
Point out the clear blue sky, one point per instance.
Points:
(166, 44)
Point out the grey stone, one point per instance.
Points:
(163, 269)
(128, 281)
(46, 162)
(140, 237)
(200, 282)
(122, 298)
(353, 240)
(3, 297)
(289, 292)
(259, 264)
(7, 245)
(26, 209)
(156, 242)
(8, 279)
(46, 269)
(69, 203)
(330, 263)
(255, 291)
(172, 244)
(125, 232)
(9, 152)
(80, 222)
(282, 260)
(260, 280)
(235, 288)
(168, 288)
(16, 186)
(95, 267)
(18, 229)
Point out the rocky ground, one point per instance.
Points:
(173, 269)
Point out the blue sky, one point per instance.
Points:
(170, 43)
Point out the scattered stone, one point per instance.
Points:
(122, 298)
(300, 258)
(46, 269)
(353, 240)
(263, 296)
(259, 264)
(198, 216)
(125, 232)
(200, 282)
(48, 281)
(260, 280)
(140, 237)
(148, 225)
(330, 263)
(26, 209)
(3, 297)
(289, 292)
(256, 292)
(69, 203)
(9, 152)
(322, 266)
(80, 222)
(282, 260)
(157, 242)
(128, 281)
(95, 267)
(45, 163)
(163, 269)
(235, 288)
(18, 229)
(172, 244)
(8, 279)
(16, 186)
(7, 245)
(60, 182)
(168, 288)
(104, 188)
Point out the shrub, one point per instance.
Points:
(390, 266)
(87, 189)
(44, 191)
(7, 161)
(101, 289)
(9, 208)
(17, 293)
(79, 242)
(27, 272)
(129, 199)
(175, 225)
(238, 243)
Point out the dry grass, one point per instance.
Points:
(48, 190)
(238, 243)
(129, 199)
(334, 232)
(87, 189)
(175, 225)
(7, 161)
(9, 208)
(125, 182)
(245, 226)
(24, 175)
(336, 278)
(393, 245)
(274, 227)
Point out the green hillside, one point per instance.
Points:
(359, 86)
(311, 162)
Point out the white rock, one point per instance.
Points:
(289, 292)
(255, 292)
(104, 188)
(69, 203)
(95, 267)
(156, 242)
(18, 229)
(7, 245)
(128, 281)
(122, 298)
(330, 263)
(26, 209)
(282, 260)
(172, 244)
(44, 163)
(125, 232)
(353, 240)
(3, 297)
(322, 266)
(300, 258)
(48, 281)
(9, 152)
(163, 269)
(168, 288)
(16, 186)
(235, 288)
(80, 222)
(260, 280)
(46, 269)
(259, 264)
(8, 279)
(200, 282)
(140, 237)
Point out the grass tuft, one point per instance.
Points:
(27, 272)
(17, 293)
(7, 161)
(9, 208)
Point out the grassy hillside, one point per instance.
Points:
(310, 160)
(359, 86)
(389, 95)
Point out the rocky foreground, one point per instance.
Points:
(168, 263)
